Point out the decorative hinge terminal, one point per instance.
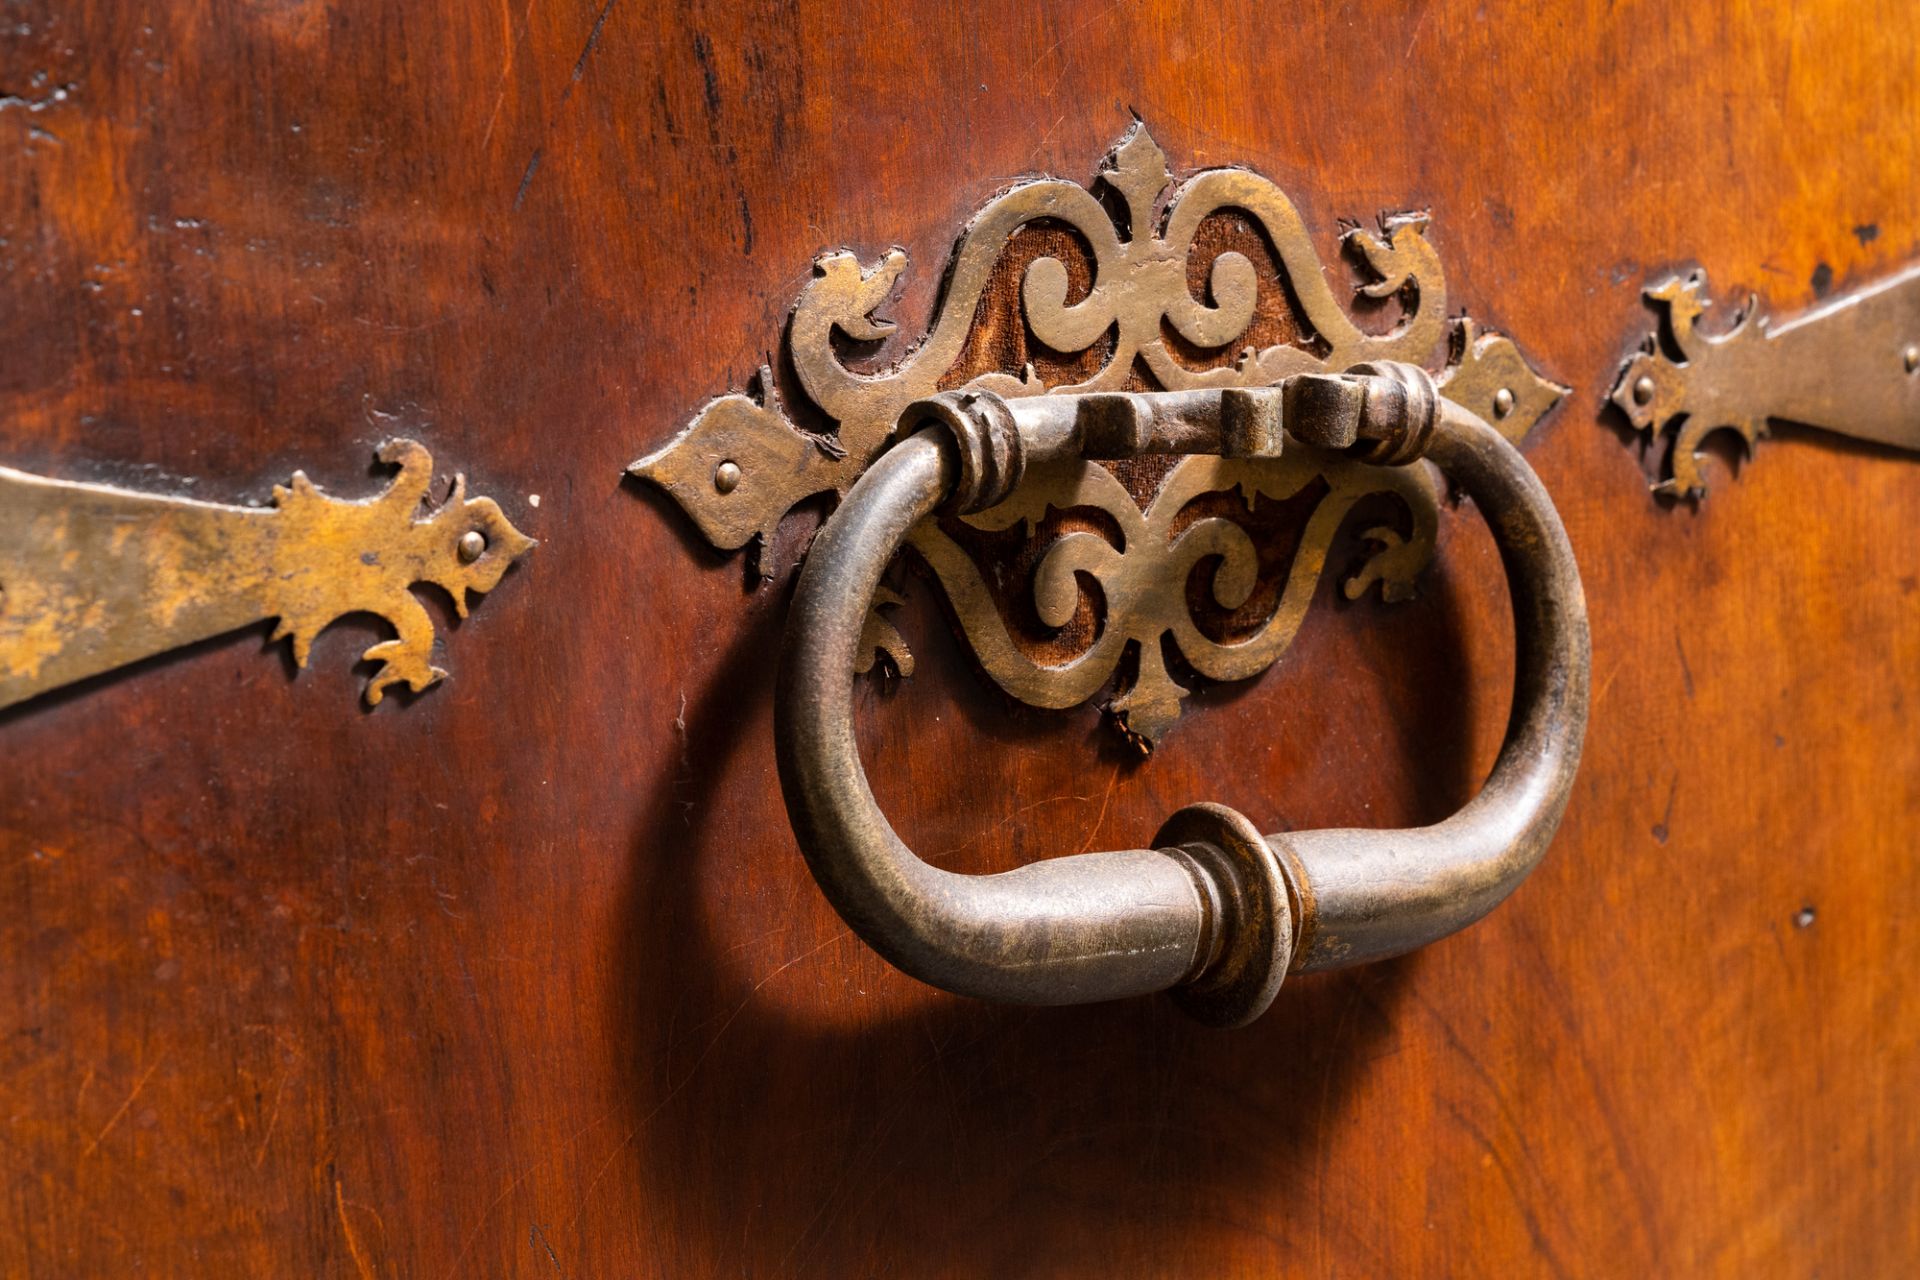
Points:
(93, 578)
(1850, 366)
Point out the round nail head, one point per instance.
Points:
(1643, 390)
(1502, 402)
(473, 544)
(726, 477)
(1911, 358)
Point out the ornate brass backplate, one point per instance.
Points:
(93, 578)
(1850, 366)
(1117, 300)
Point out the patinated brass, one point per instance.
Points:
(1143, 581)
(93, 578)
(1850, 366)
(743, 463)
(1212, 910)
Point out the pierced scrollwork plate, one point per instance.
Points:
(1137, 282)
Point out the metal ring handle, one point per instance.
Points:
(1215, 912)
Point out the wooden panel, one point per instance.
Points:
(525, 977)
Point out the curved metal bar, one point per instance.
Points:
(1063, 931)
(1218, 912)
(1376, 894)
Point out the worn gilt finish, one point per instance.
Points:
(1850, 366)
(93, 578)
(744, 463)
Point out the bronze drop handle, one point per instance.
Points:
(1215, 912)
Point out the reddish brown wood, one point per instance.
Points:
(526, 977)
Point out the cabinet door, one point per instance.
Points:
(522, 972)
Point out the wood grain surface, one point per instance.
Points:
(525, 977)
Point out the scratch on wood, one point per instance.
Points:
(579, 69)
(346, 1229)
(506, 68)
(1519, 1195)
(1418, 27)
(273, 1120)
(526, 179)
(138, 1085)
(486, 1213)
(539, 1237)
(1600, 692)
(1006, 822)
(593, 38)
(685, 779)
(737, 1010)
(1101, 817)
(1070, 37)
(694, 1070)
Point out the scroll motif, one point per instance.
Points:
(744, 461)
(1144, 579)
(93, 578)
(1850, 366)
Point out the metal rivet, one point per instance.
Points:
(1803, 918)
(1911, 358)
(1502, 402)
(473, 544)
(726, 477)
(1643, 389)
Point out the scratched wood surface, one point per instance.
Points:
(525, 977)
